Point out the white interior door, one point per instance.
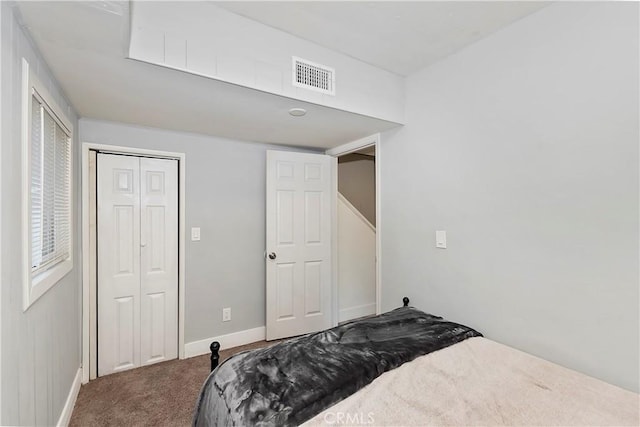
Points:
(158, 260)
(118, 263)
(300, 190)
(137, 261)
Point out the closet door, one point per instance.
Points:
(118, 263)
(159, 260)
(137, 261)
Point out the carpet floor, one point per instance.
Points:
(163, 394)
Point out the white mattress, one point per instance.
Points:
(481, 382)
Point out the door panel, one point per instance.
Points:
(299, 194)
(125, 225)
(285, 290)
(157, 335)
(125, 333)
(313, 219)
(285, 217)
(156, 243)
(313, 288)
(119, 263)
(159, 260)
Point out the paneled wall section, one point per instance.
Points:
(40, 347)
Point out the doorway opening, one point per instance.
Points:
(357, 231)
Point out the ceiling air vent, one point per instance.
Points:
(310, 75)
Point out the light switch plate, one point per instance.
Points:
(195, 234)
(441, 239)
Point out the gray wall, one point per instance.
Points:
(524, 147)
(40, 347)
(357, 182)
(225, 197)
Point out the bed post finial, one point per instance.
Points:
(215, 356)
(405, 302)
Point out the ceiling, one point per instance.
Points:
(398, 36)
(85, 44)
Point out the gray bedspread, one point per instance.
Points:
(290, 382)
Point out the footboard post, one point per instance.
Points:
(215, 356)
(405, 302)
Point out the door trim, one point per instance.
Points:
(87, 306)
(350, 147)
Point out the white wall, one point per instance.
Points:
(357, 182)
(225, 197)
(202, 38)
(524, 147)
(40, 347)
(356, 263)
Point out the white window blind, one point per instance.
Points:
(50, 188)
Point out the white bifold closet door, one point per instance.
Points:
(137, 261)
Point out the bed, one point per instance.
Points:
(404, 367)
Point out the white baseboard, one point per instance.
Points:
(235, 339)
(67, 410)
(357, 311)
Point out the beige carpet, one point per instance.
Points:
(163, 394)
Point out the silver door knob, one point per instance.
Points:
(272, 255)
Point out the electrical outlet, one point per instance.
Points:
(226, 314)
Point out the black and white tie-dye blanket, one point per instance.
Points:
(290, 382)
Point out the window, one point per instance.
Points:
(47, 136)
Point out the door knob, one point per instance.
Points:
(272, 255)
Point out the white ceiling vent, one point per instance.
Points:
(310, 75)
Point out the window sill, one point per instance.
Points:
(44, 281)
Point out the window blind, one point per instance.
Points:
(50, 188)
